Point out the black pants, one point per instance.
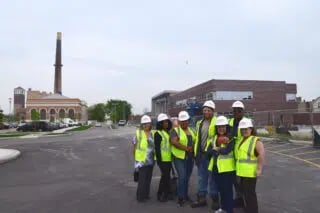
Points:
(164, 185)
(248, 190)
(225, 183)
(144, 181)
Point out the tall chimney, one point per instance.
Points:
(58, 66)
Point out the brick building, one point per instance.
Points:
(19, 101)
(257, 96)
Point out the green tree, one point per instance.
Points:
(1, 115)
(97, 112)
(35, 116)
(118, 109)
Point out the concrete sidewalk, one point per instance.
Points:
(8, 155)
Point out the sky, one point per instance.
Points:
(133, 50)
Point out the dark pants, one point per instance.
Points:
(184, 170)
(225, 183)
(144, 181)
(164, 185)
(205, 179)
(248, 190)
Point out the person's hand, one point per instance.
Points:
(259, 172)
(189, 149)
(217, 149)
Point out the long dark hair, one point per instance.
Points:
(159, 125)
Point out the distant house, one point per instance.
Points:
(316, 105)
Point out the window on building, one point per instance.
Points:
(290, 97)
(318, 105)
(232, 95)
(182, 102)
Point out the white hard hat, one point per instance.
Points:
(238, 104)
(162, 117)
(245, 123)
(221, 121)
(183, 116)
(209, 104)
(145, 119)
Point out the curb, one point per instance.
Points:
(7, 155)
(301, 142)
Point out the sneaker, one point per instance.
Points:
(200, 202)
(220, 211)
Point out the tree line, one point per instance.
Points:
(113, 109)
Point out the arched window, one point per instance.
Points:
(52, 115)
(71, 114)
(62, 113)
(43, 114)
(35, 115)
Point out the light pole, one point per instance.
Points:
(10, 99)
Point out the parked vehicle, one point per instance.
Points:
(36, 126)
(122, 123)
(6, 125)
(98, 124)
(70, 122)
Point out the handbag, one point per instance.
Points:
(136, 175)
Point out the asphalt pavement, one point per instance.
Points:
(91, 171)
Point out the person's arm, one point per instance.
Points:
(229, 148)
(174, 140)
(261, 156)
(134, 142)
(157, 143)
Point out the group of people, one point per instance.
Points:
(228, 155)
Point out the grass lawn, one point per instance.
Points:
(13, 134)
(80, 128)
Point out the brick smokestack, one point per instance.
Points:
(58, 67)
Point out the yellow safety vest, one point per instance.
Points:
(165, 146)
(225, 163)
(246, 161)
(141, 147)
(211, 134)
(183, 139)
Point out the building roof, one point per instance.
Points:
(55, 96)
(19, 88)
(171, 92)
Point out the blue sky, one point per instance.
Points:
(135, 49)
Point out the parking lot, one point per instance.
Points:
(91, 171)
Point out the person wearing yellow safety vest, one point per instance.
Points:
(249, 154)
(238, 114)
(144, 158)
(205, 132)
(182, 140)
(222, 164)
(163, 155)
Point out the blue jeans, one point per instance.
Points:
(225, 183)
(184, 170)
(205, 178)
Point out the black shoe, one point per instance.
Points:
(163, 198)
(215, 203)
(181, 201)
(141, 200)
(200, 202)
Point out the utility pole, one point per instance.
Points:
(10, 99)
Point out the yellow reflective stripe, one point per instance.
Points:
(250, 147)
(248, 161)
